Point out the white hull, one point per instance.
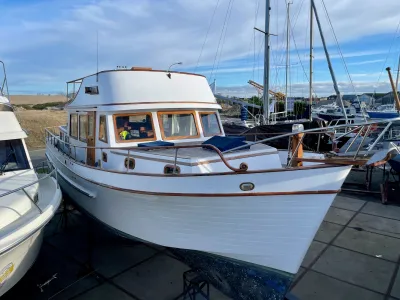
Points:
(21, 240)
(18, 260)
(268, 230)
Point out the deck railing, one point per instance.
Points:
(51, 171)
(364, 129)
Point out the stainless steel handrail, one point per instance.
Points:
(53, 137)
(28, 185)
(314, 129)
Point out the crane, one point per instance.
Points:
(259, 87)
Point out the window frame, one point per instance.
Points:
(202, 124)
(178, 112)
(105, 129)
(117, 140)
(77, 126)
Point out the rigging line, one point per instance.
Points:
(251, 38)
(254, 36)
(387, 55)
(223, 41)
(301, 62)
(282, 45)
(219, 42)
(205, 40)
(340, 51)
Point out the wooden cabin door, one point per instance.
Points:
(91, 139)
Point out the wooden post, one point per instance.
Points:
(395, 95)
(297, 149)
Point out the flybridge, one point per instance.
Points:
(141, 86)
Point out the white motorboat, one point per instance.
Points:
(27, 201)
(144, 153)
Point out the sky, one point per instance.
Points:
(45, 43)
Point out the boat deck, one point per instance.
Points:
(355, 255)
(201, 153)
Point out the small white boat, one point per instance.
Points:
(27, 201)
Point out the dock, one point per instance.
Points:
(355, 255)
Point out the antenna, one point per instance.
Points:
(97, 57)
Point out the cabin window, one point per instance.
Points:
(12, 156)
(178, 125)
(83, 122)
(210, 123)
(73, 126)
(103, 129)
(134, 127)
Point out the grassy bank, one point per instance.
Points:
(34, 121)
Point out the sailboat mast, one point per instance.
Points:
(339, 97)
(311, 55)
(266, 64)
(287, 55)
(398, 73)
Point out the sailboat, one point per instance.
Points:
(272, 122)
(27, 200)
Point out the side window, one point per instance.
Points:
(83, 127)
(73, 126)
(210, 123)
(103, 129)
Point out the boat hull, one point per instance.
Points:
(15, 262)
(265, 231)
(382, 115)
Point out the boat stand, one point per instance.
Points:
(197, 287)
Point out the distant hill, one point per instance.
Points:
(36, 99)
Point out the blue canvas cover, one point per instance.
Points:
(156, 144)
(224, 143)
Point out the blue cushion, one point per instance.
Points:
(156, 144)
(224, 143)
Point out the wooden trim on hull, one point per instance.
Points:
(210, 195)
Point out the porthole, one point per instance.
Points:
(169, 169)
(131, 164)
(247, 186)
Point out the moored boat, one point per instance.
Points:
(154, 166)
(27, 201)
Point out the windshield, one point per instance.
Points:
(134, 127)
(12, 156)
(180, 125)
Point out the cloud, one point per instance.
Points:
(45, 43)
(321, 89)
(365, 62)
